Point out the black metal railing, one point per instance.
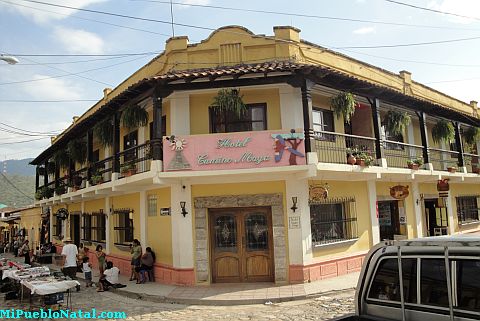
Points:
(101, 171)
(335, 147)
(135, 160)
(472, 163)
(400, 154)
(79, 179)
(442, 160)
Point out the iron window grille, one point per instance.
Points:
(98, 227)
(152, 205)
(333, 220)
(86, 227)
(57, 226)
(227, 122)
(123, 226)
(467, 209)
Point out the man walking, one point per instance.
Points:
(70, 253)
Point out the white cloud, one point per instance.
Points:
(43, 13)
(470, 8)
(51, 89)
(79, 41)
(364, 30)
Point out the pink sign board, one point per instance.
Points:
(233, 151)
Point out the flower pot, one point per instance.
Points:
(360, 162)
(351, 160)
(451, 169)
(130, 172)
(413, 166)
(476, 170)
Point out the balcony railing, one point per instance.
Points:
(398, 154)
(135, 160)
(334, 147)
(472, 163)
(80, 178)
(102, 169)
(443, 159)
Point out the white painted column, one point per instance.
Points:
(411, 140)
(291, 110)
(372, 198)
(182, 227)
(417, 207)
(143, 219)
(50, 229)
(108, 223)
(299, 237)
(451, 221)
(180, 113)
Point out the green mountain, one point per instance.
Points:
(20, 195)
(17, 167)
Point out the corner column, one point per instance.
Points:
(143, 220)
(372, 199)
(180, 113)
(182, 227)
(108, 222)
(417, 207)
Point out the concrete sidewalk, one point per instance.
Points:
(229, 294)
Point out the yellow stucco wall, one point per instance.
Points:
(159, 228)
(345, 190)
(31, 220)
(463, 190)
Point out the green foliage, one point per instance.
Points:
(51, 168)
(471, 135)
(60, 189)
(77, 149)
(367, 158)
(11, 197)
(396, 122)
(134, 116)
(127, 167)
(43, 192)
(343, 105)
(418, 161)
(103, 130)
(443, 131)
(61, 158)
(229, 100)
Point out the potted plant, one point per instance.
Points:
(452, 169)
(96, 179)
(443, 131)
(343, 105)
(60, 189)
(396, 122)
(229, 100)
(134, 116)
(61, 158)
(415, 163)
(77, 149)
(76, 182)
(103, 130)
(364, 159)
(128, 169)
(43, 193)
(471, 135)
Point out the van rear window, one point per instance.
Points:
(468, 284)
(434, 283)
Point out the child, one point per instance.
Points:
(87, 271)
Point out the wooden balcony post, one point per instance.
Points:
(422, 117)
(377, 125)
(459, 144)
(156, 139)
(116, 143)
(37, 179)
(45, 177)
(306, 89)
(57, 175)
(89, 154)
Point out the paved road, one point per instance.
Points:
(322, 308)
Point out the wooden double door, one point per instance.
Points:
(241, 244)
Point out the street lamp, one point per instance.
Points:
(11, 60)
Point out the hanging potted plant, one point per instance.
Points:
(61, 158)
(77, 149)
(443, 131)
(134, 116)
(471, 135)
(396, 122)
(343, 105)
(103, 130)
(229, 100)
(415, 163)
(51, 168)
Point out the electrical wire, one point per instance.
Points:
(24, 141)
(14, 186)
(432, 10)
(29, 131)
(46, 101)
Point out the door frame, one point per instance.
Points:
(240, 213)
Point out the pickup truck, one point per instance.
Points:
(433, 278)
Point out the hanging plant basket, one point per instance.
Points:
(77, 149)
(443, 131)
(104, 132)
(471, 135)
(344, 105)
(61, 158)
(229, 100)
(51, 168)
(396, 122)
(134, 116)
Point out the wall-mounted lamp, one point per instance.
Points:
(182, 206)
(130, 215)
(294, 201)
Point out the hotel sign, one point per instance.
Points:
(233, 151)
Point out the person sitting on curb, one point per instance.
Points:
(109, 277)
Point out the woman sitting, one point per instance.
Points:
(147, 260)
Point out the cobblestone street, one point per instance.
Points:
(321, 308)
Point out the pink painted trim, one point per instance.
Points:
(326, 269)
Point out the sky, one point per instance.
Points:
(40, 95)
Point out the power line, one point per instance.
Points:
(301, 15)
(24, 141)
(29, 131)
(86, 55)
(14, 186)
(409, 44)
(432, 10)
(46, 101)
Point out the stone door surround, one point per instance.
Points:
(201, 206)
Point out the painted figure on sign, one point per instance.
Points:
(178, 162)
(280, 145)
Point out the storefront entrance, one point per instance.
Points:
(436, 216)
(75, 229)
(241, 244)
(388, 218)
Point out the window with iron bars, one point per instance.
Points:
(99, 227)
(467, 209)
(57, 226)
(86, 227)
(123, 226)
(333, 220)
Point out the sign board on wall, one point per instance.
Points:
(233, 151)
(294, 222)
